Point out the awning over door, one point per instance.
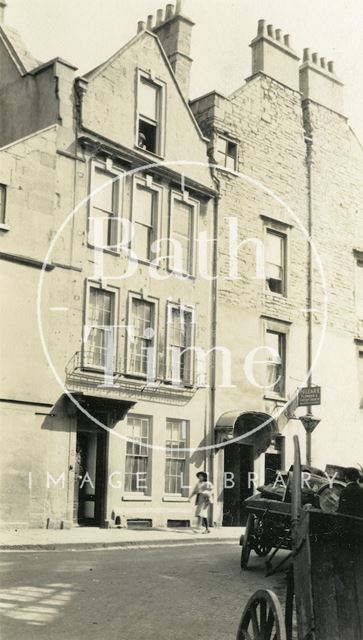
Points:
(247, 427)
(114, 407)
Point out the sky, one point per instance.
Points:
(86, 32)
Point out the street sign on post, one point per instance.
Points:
(309, 396)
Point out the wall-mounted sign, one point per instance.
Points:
(309, 396)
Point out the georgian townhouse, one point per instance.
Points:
(102, 400)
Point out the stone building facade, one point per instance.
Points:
(127, 361)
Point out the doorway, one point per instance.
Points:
(238, 463)
(90, 473)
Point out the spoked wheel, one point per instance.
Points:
(262, 618)
(261, 546)
(247, 541)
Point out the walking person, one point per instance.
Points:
(203, 491)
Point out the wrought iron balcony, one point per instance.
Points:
(84, 370)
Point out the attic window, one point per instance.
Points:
(226, 153)
(149, 115)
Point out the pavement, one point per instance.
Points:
(97, 538)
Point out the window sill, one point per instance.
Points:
(231, 172)
(175, 499)
(136, 497)
(146, 152)
(112, 252)
(148, 263)
(4, 227)
(182, 275)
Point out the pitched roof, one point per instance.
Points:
(18, 50)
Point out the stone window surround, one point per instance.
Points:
(113, 171)
(224, 135)
(149, 77)
(140, 495)
(148, 183)
(137, 295)
(184, 197)
(191, 309)
(283, 327)
(4, 194)
(282, 228)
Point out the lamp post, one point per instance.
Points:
(309, 423)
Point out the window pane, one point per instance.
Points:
(137, 455)
(182, 218)
(148, 94)
(99, 327)
(221, 145)
(104, 198)
(276, 361)
(175, 463)
(359, 290)
(142, 318)
(360, 373)
(274, 249)
(2, 202)
(142, 241)
(144, 202)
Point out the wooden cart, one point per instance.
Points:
(268, 525)
(324, 599)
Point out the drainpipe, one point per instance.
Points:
(309, 166)
(214, 295)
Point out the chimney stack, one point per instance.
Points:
(2, 11)
(174, 32)
(319, 83)
(273, 56)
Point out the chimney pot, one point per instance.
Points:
(331, 66)
(287, 40)
(270, 30)
(323, 62)
(307, 55)
(278, 34)
(261, 28)
(169, 11)
(141, 26)
(159, 16)
(150, 22)
(178, 7)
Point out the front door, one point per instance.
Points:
(90, 474)
(238, 463)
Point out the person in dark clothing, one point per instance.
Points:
(351, 497)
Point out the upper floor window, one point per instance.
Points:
(275, 268)
(2, 203)
(359, 289)
(145, 220)
(360, 378)
(183, 223)
(276, 361)
(180, 342)
(141, 338)
(175, 457)
(226, 153)
(137, 468)
(150, 108)
(105, 206)
(99, 343)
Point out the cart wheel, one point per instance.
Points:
(329, 497)
(260, 545)
(262, 618)
(247, 541)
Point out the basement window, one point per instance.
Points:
(149, 118)
(226, 153)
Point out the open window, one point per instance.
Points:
(149, 115)
(275, 267)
